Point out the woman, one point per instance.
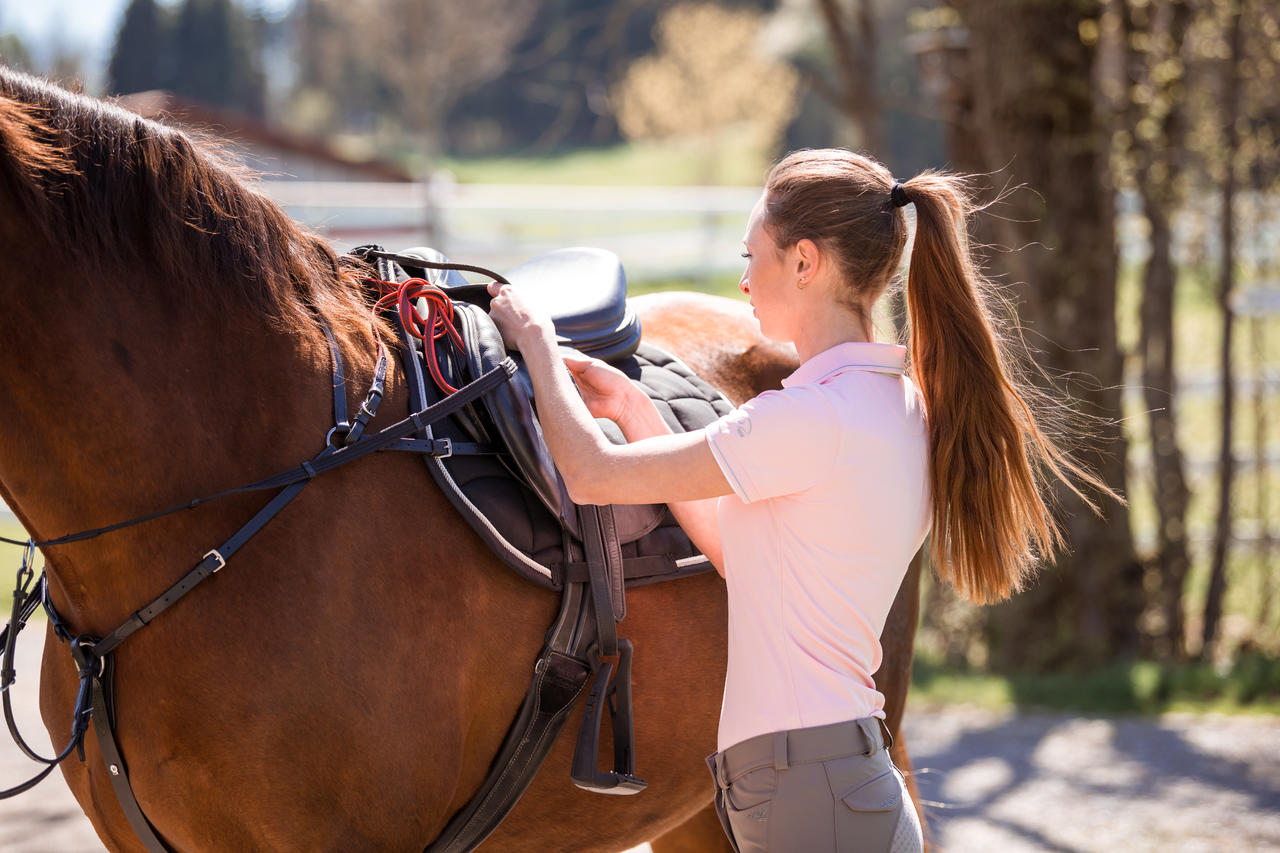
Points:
(811, 500)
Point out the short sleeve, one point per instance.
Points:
(779, 443)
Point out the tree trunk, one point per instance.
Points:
(1168, 468)
(856, 96)
(1226, 284)
(1157, 172)
(1031, 78)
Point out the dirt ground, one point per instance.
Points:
(992, 782)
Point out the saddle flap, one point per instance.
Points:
(512, 411)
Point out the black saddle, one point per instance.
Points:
(584, 291)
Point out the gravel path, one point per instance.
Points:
(994, 782)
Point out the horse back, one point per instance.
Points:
(718, 338)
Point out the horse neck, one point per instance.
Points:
(115, 405)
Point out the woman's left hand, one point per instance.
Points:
(519, 322)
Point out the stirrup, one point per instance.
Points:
(622, 779)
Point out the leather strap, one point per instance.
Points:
(604, 567)
(208, 566)
(105, 732)
(559, 676)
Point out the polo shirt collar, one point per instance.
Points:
(879, 358)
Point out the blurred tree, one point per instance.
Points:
(422, 56)
(14, 53)
(555, 92)
(1230, 116)
(215, 60)
(337, 88)
(852, 34)
(1032, 112)
(1151, 158)
(707, 76)
(139, 60)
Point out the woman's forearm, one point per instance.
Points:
(586, 458)
(571, 433)
(698, 518)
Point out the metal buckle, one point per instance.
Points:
(221, 560)
(446, 448)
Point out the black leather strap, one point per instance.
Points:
(209, 565)
(105, 732)
(604, 564)
(328, 461)
(341, 425)
(633, 569)
(559, 676)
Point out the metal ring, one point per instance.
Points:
(328, 436)
(86, 643)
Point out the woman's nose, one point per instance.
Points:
(744, 286)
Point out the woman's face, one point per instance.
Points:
(769, 279)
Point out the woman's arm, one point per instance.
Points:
(608, 393)
(659, 467)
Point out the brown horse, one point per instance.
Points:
(345, 682)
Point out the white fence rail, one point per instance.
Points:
(659, 232)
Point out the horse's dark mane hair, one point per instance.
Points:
(118, 196)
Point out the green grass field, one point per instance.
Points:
(735, 162)
(1250, 685)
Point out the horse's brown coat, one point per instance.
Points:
(344, 683)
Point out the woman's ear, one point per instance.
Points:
(807, 258)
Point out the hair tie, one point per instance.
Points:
(898, 195)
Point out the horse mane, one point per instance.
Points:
(118, 196)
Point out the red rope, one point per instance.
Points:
(438, 323)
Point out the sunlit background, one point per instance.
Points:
(1133, 145)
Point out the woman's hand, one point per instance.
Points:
(521, 324)
(606, 390)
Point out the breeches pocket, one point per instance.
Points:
(880, 793)
(872, 811)
(752, 789)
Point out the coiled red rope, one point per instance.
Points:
(437, 324)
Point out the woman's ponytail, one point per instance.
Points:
(989, 454)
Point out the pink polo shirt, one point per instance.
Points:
(831, 500)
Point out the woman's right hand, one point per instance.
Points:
(606, 390)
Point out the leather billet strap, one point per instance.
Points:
(605, 572)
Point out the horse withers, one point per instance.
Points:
(346, 680)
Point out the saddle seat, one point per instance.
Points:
(584, 290)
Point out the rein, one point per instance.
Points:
(345, 442)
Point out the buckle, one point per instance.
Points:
(221, 560)
(443, 448)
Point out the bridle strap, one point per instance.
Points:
(25, 602)
(329, 459)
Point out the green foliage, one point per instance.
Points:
(1250, 685)
(10, 555)
(14, 53)
(720, 285)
